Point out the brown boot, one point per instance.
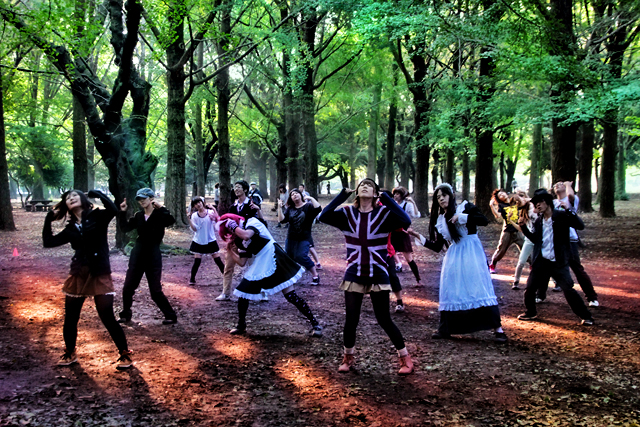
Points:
(406, 365)
(347, 363)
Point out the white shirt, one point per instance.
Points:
(409, 209)
(548, 251)
(205, 229)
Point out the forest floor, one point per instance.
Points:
(551, 372)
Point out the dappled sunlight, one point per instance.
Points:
(415, 301)
(234, 347)
(301, 375)
(43, 311)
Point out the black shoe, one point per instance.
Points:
(315, 281)
(526, 317)
(440, 336)
(125, 317)
(239, 330)
(170, 321)
(515, 286)
(500, 337)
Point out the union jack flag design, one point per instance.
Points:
(366, 243)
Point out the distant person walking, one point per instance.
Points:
(146, 258)
(90, 270)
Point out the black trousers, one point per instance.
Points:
(380, 302)
(147, 261)
(543, 269)
(583, 278)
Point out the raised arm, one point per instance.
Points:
(108, 204)
(48, 239)
(330, 215)
(474, 215)
(401, 218)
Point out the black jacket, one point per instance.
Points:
(90, 243)
(475, 218)
(562, 221)
(151, 231)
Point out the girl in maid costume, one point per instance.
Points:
(467, 300)
(202, 221)
(366, 226)
(271, 271)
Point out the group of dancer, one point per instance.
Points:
(371, 225)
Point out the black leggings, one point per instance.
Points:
(104, 306)
(380, 302)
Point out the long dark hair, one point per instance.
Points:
(436, 210)
(494, 195)
(62, 210)
(290, 202)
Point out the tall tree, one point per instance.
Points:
(6, 214)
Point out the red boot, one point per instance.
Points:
(406, 365)
(347, 363)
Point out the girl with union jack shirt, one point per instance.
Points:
(366, 226)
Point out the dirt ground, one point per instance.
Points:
(194, 373)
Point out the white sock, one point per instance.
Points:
(351, 350)
(403, 352)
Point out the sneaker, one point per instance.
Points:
(526, 317)
(316, 331)
(399, 308)
(557, 289)
(492, 269)
(500, 337)
(124, 361)
(68, 359)
(318, 266)
(238, 330)
(594, 303)
(587, 322)
(315, 281)
(223, 297)
(399, 268)
(192, 282)
(539, 300)
(264, 296)
(515, 286)
(171, 321)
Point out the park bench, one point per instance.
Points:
(37, 205)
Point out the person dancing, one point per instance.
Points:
(90, 270)
(366, 227)
(400, 240)
(526, 217)
(146, 258)
(272, 270)
(509, 235)
(551, 255)
(202, 221)
(468, 302)
(300, 213)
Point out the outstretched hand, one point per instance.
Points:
(123, 205)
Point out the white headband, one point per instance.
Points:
(444, 184)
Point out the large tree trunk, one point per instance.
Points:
(309, 27)
(224, 98)
(80, 163)
(563, 151)
(584, 167)
(352, 162)
(607, 189)
(536, 148)
(273, 179)
(434, 169)
(198, 130)
(262, 174)
(389, 181)
(621, 172)
(466, 178)
(450, 168)
(6, 214)
(176, 192)
(374, 114)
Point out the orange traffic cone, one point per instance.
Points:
(15, 252)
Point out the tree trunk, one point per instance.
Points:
(352, 162)
(563, 151)
(6, 214)
(621, 172)
(584, 167)
(389, 181)
(80, 163)
(198, 130)
(536, 148)
(607, 189)
(91, 169)
(262, 174)
(176, 192)
(434, 169)
(273, 180)
(466, 178)
(372, 152)
(449, 172)
(309, 27)
(224, 97)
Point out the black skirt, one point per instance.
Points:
(209, 248)
(401, 241)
